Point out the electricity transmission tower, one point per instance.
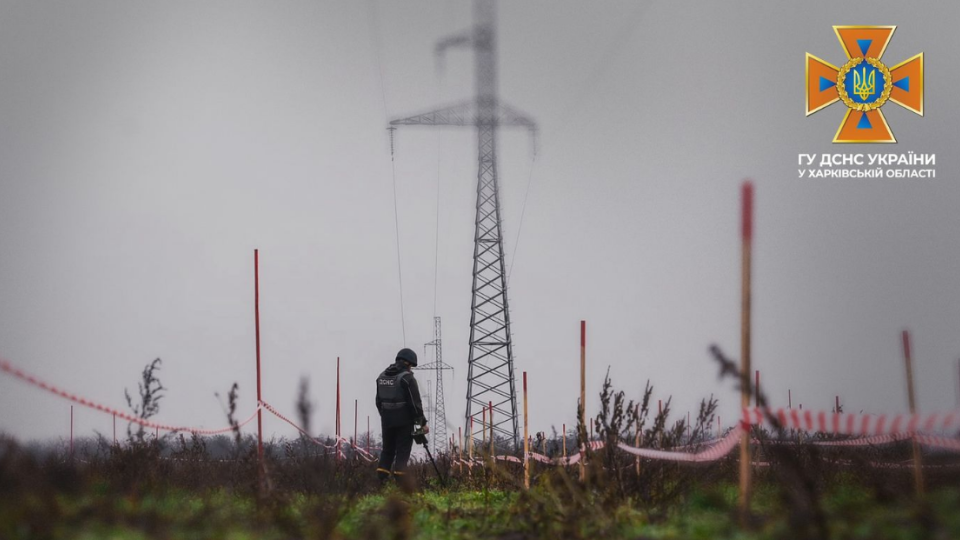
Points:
(490, 370)
(439, 410)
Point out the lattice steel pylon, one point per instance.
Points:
(439, 429)
(490, 369)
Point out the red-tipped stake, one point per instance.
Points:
(470, 438)
(526, 440)
(583, 390)
(636, 416)
(789, 400)
(355, 413)
(756, 389)
(564, 441)
(746, 252)
(493, 437)
(660, 413)
(256, 317)
(483, 425)
(917, 465)
(337, 422)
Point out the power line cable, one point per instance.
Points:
(377, 45)
(436, 239)
(612, 51)
(523, 210)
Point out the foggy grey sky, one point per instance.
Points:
(147, 148)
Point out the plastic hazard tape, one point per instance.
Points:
(713, 453)
(871, 429)
(311, 438)
(866, 441)
(856, 424)
(887, 427)
(363, 453)
(340, 442)
(721, 447)
(873, 440)
(7, 367)
(540, 457)
(938, 442)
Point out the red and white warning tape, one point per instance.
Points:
(938, 442)
(866, 441)
(856, 424)
(871, 429)
(540, 457)
(340, 442)
(885, 429)
(7, 367)
(713, 453)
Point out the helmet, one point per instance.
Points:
(407, 355)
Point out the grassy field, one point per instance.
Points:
(181, 487)
(218, 513)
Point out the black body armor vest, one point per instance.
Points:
(390, 391)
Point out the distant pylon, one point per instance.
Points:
(490, 369)
(439, 429)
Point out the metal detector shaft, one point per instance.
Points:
(443, 481)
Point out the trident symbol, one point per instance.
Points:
(863, 86)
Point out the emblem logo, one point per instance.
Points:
(864, 84)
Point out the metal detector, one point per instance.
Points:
(420, 437)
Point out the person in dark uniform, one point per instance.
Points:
(398, 401)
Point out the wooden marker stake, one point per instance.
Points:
(636, 415)
(745, 267)
(564, 441)
(337, 423)
(493, 449)
(483, 426)
(470, 438)
(660, 413)
(526, 439)
(911, 397)
(756, 393)
(256, 317)
(583, 394)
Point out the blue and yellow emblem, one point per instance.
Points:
(864, 84)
